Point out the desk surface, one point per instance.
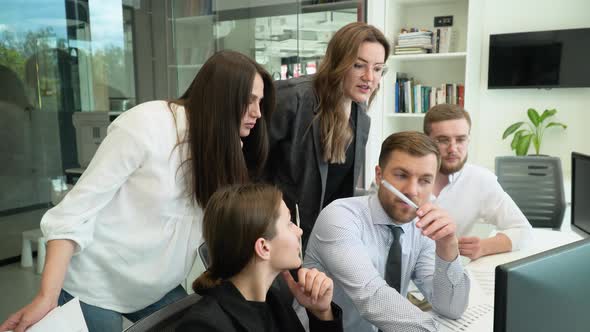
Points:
(543, 240)
(479, 316)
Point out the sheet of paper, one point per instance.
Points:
(477, 318)
(67, 318)
(479, 315)
(486, 280)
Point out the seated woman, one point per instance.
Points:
(251, 239)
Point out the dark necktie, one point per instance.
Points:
(393, 267)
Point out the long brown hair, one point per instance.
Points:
(235, 217)
(215, 103)
(340, 56)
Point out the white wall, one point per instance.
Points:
(499, 108)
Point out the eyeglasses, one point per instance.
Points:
(444, 142)
(378, 70)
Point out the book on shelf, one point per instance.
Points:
(419, 40)
(461, 95)
(408, 96)
(409, 48)
(441, 96)
(426, 90)
(435, 41)
(399, 92)
(421, 44)
(444, 40)
(448, 93)
(413, 32)
(432, 97)
(417, 98)
(411, 52)
(397, 98)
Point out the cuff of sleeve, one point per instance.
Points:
(326, 325)
(518, 238)
(453, 270)
(82, 236)
(79, 246)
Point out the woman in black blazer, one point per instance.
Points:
(251, 240)
(320, 128)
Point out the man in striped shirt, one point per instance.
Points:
(353, 239)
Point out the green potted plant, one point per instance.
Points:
(521, 141)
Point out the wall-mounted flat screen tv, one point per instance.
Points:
(541, 59)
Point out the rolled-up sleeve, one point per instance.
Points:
(500, 210)
(118, 156)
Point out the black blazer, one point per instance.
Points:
(223, 308)
(295, 162)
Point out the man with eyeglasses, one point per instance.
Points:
(471, 193)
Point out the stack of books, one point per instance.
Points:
(414, 42)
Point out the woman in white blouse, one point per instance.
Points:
(126, 236)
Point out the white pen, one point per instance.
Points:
(298, 225)
(399, 194)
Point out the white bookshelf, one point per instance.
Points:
(403, 115)
(429, 56)
(460, 66)
(270, 31)
(192, 43)
(432, 69)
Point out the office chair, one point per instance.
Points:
(165, 319)
(535, 184)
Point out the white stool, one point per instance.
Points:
(26, 256)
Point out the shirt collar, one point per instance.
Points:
(380, 217)
(454, 176)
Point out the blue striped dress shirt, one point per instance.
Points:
(350, 242)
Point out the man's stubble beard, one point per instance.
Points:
(450, 170)
(392, 212)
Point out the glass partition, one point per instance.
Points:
(288, 37)
(57, 57)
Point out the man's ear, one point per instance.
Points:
(262, 248)
(378, 175)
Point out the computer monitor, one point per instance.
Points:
(549, 291)
(581, 191)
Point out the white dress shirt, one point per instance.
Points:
(135, 227)
(473, 195)
(350, 242)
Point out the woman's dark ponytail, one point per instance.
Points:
(205, 281)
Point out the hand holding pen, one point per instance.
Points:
(434, 222)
